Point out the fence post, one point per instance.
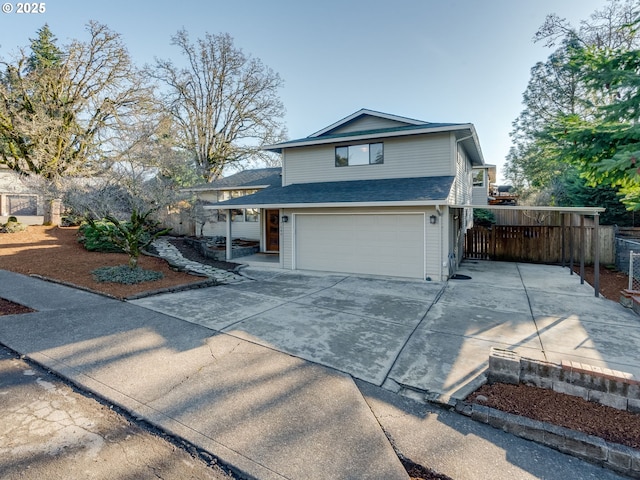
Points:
(571, 239)
(631, 270)
(581, 249)
(562, 221)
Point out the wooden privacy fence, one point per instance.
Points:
(536, 244)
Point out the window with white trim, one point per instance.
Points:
(478, 178)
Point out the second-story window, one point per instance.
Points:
(365, 154)
(478, 178)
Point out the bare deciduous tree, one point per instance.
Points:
(225, 103)
(57, 117)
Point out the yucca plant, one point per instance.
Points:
(134, 235)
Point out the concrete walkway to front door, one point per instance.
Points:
(426, 338)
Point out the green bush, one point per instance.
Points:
(97, 237)
(12, 219)
(125, 274)
(483, 217)
(12, 226)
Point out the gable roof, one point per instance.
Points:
(387, 191)
(252, 178)
(364, 112)
(464, 132)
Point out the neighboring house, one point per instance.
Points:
(483, 177)
(18, 200)
(370, 194)
(247, 222)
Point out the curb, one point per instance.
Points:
(619, 458)
(190, 286)
(210, 282)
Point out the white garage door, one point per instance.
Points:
(373, 244)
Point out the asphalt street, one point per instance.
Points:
(50, 430)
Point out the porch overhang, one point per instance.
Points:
(430, 203)
(576, 210)
(415, 191)
(581, 212)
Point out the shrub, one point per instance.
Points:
(125, 274)
(136, 234)
(12, 226)
(98, 237)
(483, 217)
(12, 219)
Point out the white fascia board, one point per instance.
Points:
(476, 142)
(220, 189)
(578, 210)
(411, 203)
(355, 138)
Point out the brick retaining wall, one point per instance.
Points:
(613, 388)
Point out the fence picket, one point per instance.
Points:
(534, 243)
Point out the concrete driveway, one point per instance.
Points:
(422, 338)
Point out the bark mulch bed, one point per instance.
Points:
(10, 308)
(610, 424)
(54, 253)
(612, 281)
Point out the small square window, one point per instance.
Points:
(252, 215)
(237, 215)
(342, 156)
(478, 178)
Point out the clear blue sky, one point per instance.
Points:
(434, 60)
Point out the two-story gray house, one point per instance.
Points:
(373, 193)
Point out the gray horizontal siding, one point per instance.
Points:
(479, 196)
(368, 123)
(420, 156)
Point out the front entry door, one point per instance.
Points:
(272, 232)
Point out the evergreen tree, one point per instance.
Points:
(574, 118)
(44, 51)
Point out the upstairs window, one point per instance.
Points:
(365, 154)
(478, 178)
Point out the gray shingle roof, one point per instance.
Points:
(247, 178)
(420, 189)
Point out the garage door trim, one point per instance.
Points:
(422, 215)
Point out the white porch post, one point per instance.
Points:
(228, 239)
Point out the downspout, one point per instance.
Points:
(464, 217)
(441, 239)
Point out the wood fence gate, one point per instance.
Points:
(535, 244)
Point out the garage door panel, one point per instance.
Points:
(367, 243)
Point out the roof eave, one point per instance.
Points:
(544, 208)
(217, 189)
(404, 203)
(278, 147)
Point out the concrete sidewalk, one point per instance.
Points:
(267, 414)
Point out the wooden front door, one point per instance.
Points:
(272, 232)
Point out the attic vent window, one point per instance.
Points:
(366, 154)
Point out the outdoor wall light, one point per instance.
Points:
(433, 219)
(285, 219)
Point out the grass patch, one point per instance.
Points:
(125, 275)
